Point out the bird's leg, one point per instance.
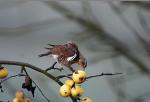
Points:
(71, 69)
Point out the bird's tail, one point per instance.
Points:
(45, 54)
(51, 45)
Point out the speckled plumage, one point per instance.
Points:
(66, 54)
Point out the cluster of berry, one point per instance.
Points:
(72, 87)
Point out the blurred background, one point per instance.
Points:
(113, 36)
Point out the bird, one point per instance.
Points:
(66, 54)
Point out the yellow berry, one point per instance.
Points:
(79, 76)
(3, 72)
(65, 90)
(27, 100)
(69, 82)
(18, 100)
(77, 91)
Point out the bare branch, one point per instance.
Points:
(53, 67)
(63, 76)
(27, 65)
(2, 81)
(4, 62)
(103, 74)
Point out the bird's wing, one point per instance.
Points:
(71, 58)
(66, 52)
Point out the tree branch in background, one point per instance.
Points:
(143, 21)
(144, 4)
(144, 42)
(97, 30)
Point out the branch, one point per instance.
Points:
(53, 67)
(63, 76)
(103, 74)
(144, 4)
(27, 65)
(2, 81)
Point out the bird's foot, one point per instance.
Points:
(72, 70)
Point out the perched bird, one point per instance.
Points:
(66, 54)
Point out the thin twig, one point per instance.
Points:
(102, 74)
(24, 69)
(41, 91)
(53, 67)
(2, 81)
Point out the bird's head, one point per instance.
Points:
(72, 44)
(82, 62)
